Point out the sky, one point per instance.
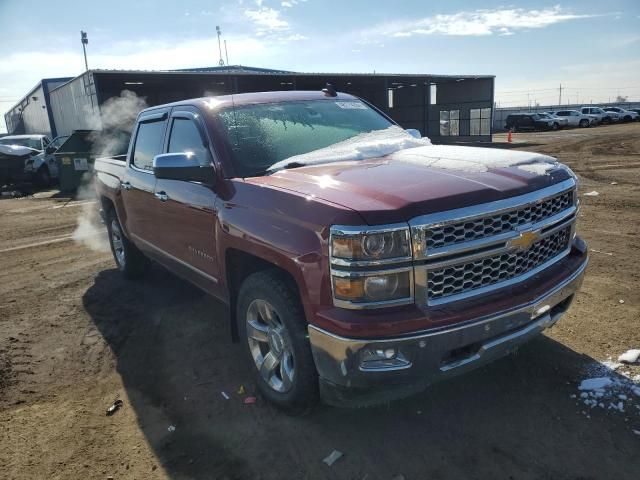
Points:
(591, 47)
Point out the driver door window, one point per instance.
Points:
(185, 138)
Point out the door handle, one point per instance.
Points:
(125, 185)
(162, 196)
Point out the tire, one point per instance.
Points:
(584, 123)
(272, 327)
(627, 118)
(555, 126)
(43, 177)
(129, 260)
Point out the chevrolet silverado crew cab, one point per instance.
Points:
(359, 262)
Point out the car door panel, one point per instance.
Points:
(138, 181)
(189, 207)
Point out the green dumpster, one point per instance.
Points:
(75, 159)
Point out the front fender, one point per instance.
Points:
(285, 229)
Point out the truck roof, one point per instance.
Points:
(240, 99)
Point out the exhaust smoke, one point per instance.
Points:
(110, 138)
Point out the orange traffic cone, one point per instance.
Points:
(509, 136)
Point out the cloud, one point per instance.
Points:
(267, 20)
(291, 3)
(477, 23)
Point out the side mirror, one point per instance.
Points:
(182, 166)
(415, 133)
(50, 149)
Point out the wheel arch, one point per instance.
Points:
(239, 264)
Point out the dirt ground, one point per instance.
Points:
(74, 336)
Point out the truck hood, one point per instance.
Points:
(16, 150)
(420, 180)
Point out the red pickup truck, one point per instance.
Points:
(359, 262)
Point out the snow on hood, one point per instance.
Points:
(378, 143)
(398, 145)
(17, 150)
(475, 159)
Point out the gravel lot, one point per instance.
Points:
(74, 337)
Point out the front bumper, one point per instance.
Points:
(433, 355)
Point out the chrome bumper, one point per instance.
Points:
(430, 356)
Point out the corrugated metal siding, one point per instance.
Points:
(75, 106)
(34, 115)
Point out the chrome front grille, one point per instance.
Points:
(475, 250)
(444, 235)
(456, 279)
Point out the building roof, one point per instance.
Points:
(240, 70)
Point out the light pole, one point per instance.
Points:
(85, 41)
(220, 62)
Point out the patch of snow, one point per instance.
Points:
(630, 356)
(595, 383)
(591, 194)
(475, 159)
(397, 145)
(378, 143)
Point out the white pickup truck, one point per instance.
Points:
(40, 167)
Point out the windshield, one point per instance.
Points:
(34, 143)
(265, 134)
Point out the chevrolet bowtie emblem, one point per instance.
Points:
(525, 240)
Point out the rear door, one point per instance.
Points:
(138, 181)
(189, 207)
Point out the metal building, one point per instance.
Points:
(32, 114)
(446, 108)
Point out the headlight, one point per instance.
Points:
(371, 266)
(377, 287)
(370, 245)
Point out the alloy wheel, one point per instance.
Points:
(270, 346)
(117, 243)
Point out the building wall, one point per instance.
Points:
(75, 105)
(32, 113)
(468, 97)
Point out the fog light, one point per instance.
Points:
(382, 359)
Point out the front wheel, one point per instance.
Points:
(555, 126)
(273, 328)
(130, 261)
(584, 123)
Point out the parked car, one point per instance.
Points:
(562, 122)
(530, 121)
(602, 117)
(12, 161)
(637, 110)
(358, 263)
(575, 118)
(625, 115)
(42, 167)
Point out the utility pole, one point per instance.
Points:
(221, 61)
(226, 53)
(560, 96)
(85, 41)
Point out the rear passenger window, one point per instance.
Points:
(185, 138)
(148, 144)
